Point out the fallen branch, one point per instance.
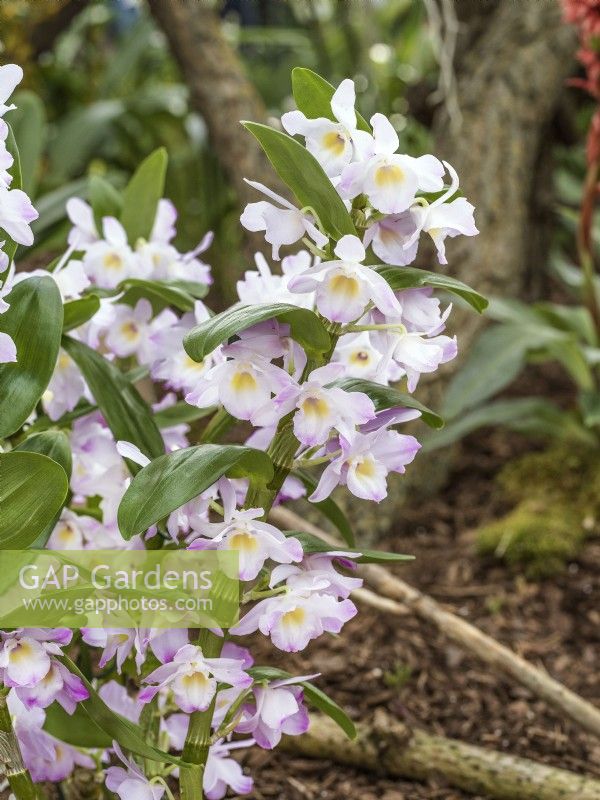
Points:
(391, 591)
(388, 746)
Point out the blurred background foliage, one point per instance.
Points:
(107, 92)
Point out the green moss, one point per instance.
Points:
(557, 496)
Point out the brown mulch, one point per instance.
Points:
(406, 667)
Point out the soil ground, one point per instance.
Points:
(411, 670)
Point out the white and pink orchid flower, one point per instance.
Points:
(240, 385)
(293, 619)
(11, 76)
(283, 224)
(333, 143)
(278, 708)
(129, 782)
(390, 180)
(243, 532)
(194, 678)
(320, 408)
(345, 287)
(110, 260)
(118, 643)
(29, 664)
(365, 462)
(262, 286)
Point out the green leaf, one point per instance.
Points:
(106, 201)
(316, 697)
(411, 277)
(180, 413)
(299, 170)
(387, 397)
(590, 407)
(124, 410)
(534, 416)
(34, 320)
(54, 444)
(328, 507)
(495, 360)
(312, 544)
(28, 121)
(141, 196)
(77, 312)
(33, 488)
(313, 94)
(161, 294)
(10, 246)
(78, 729)
(173, 479)
(126, 733)
(305, 327)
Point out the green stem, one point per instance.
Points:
(197, 741)
(18, 776)
(218, 425)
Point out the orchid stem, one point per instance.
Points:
(18, 775)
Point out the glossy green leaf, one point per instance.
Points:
(299, 170)
(124, 410)
(141, 196)
(314, 696)
(162, 294)
(173, 479)
(180, 413)
(305, 327)
(126, 733)
(106, 201)
(313, 544)
(78, 729)
(313, 94)
(77, 312)
(411, 277)
(33, 488)
(54, 444)
(387, 397)
(34, 320)
(328, 507)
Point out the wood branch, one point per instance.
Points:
(390, 747)
(396, 596)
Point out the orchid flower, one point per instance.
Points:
(129, 781)
(193, 678)
(291, 620)
(283, 224)
(244, 532)
(319, 408)
(345, 287)
(365, 462)
(390, 181)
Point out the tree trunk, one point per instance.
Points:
(388, 746)
(220, 90)
(517, 55)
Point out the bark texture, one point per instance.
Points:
(513, 59)
(220, 90)
(390, 747)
